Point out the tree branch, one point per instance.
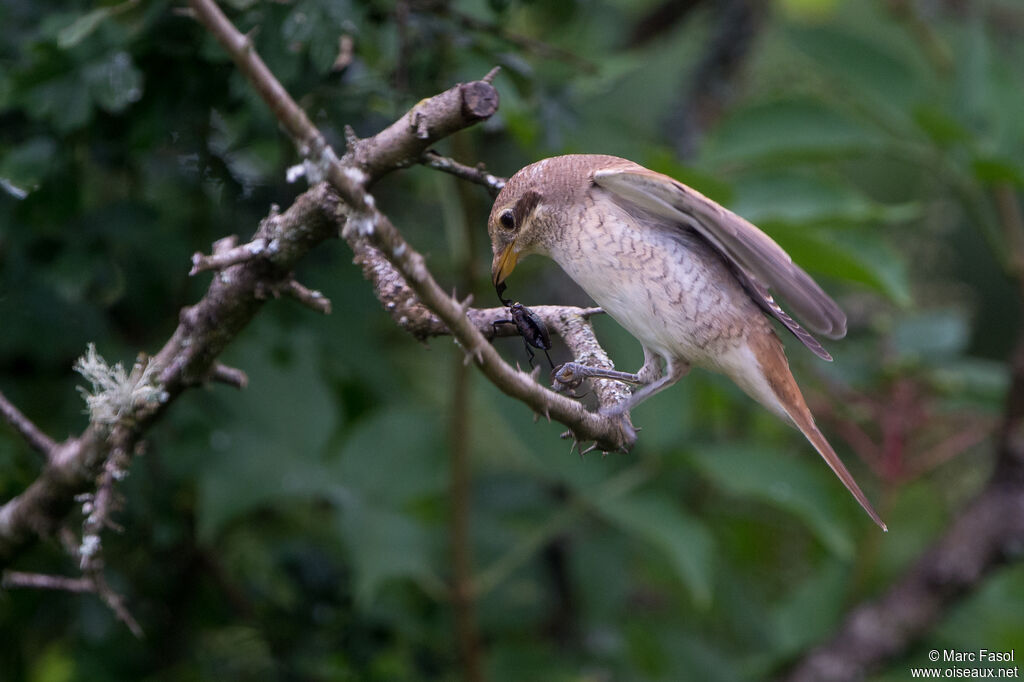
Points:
(186, 360)
(38, 440)
(397, 146)
(238, 292)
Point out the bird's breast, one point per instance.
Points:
(662, 282)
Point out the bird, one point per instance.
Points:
(692, 281)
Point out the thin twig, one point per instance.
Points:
(43, 581)
(224, 255)
(86, 585)
(38, 440)
(115, 602)
(312, 299)
(231, 376)
(478, 175)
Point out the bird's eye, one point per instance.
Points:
(508, 220)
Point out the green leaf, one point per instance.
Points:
(686, 542)
(940, 126)
(934, 334)
(55, 663)
(275, 451)
(854, 256)
(80, 28)
(114, 82)
(394, 457)
(982, 383)
(866, 67)
(63, 100)
(991, 617)
(800, 198)
(27, 164)
(384, 544)
(812, 607)
(786, 129)
(802, 485)
(996, 170)
(809, 10)
(388, 464)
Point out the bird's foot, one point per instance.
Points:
(570, 375)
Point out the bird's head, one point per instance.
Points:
(514, 226)
(533, 208)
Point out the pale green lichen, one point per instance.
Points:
(114, 394)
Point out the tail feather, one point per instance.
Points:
(791, 401)
(807, 427)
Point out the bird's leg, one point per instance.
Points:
(674, 371)
(651, 371)
(572, 374)
(650, 378)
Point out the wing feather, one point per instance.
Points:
(735, 238)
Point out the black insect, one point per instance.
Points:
(530, 326)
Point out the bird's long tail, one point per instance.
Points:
(791, 401)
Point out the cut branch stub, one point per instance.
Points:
(479, 100)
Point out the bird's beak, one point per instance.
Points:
(504, 263)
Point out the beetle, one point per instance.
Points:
(528, 323)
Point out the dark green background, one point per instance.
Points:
(299, 529)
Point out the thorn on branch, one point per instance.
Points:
(351, 139)
(310, 298)
(489, 78)
(32, 434)
(225, 254)
(476, 354)
(231, 376)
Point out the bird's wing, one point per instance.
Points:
(763, 298)
(735, 238)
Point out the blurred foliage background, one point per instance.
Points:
(300, 529)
